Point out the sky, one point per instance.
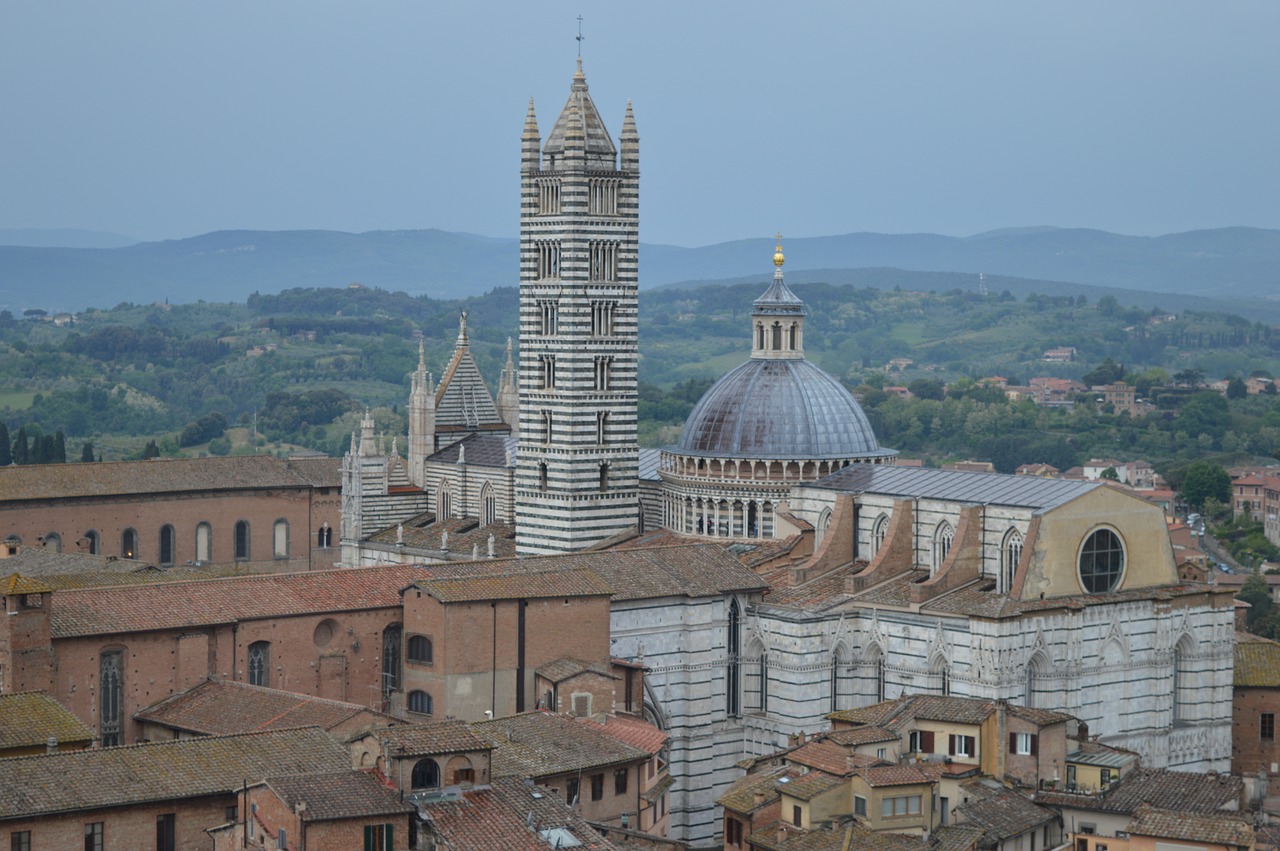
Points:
(168, 119)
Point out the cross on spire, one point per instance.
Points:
(580, 37)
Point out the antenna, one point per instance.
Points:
(580, 37)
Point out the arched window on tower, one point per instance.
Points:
(777, 336)
(242, 540)
(280, 539)
(732, 685)
(1183, 674)
(820, 531)
(93, 542)
(204, 543)
(391, 668)
(129, 544)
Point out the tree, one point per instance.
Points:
(1254, 591)
(86, 454)
(927, 388)
(1107, 372)
(1204, 480)
(1110, 473)
(150, 450)
(1236, 389)
(20, 448)
(6, 449)
(59, 448)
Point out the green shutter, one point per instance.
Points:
(368, 838)
(389, 843)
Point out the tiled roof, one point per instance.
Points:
(655, 792)
(113, 777)
(853, 836)
(1039, 717)
(892, 714)
(80, 570)
(220, 707)
(565, 667)
(580, 582)
(741, 794)
(877, 714)
(497, 819)
(29, 719)
(543, 744)
(823, 755)
(334, 795)
(1173, 790)
(16, 583)
(1230, 829)
(467, 536)
(105, 611)
(956, 837)
(806, 787)
(164, 475)
(632, 731)
(1002, 813)
(868, 735)
(901, 775)
(436, 737)
(1257, 664)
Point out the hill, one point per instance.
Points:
(1232, 265)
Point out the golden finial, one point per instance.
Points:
(778, 259)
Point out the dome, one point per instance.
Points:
(777, 408)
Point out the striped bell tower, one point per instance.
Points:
(576, 468)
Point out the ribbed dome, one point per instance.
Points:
(783, 409)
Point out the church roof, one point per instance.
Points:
(463, 399)
(221, 707)
(579, 106)
(956, 486)
(778, 408)
(482, 450)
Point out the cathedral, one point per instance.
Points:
(870, 580)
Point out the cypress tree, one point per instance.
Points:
(86, 454)
(20, 453)
(6, 449)
(59, 448)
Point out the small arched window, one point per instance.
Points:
(260, 663)
(419, 649)
(129, 544)
(204, 543)
(93, 542)
(488, 505)
(392, 637)
(426, 774)
(820, 530)
(324, 537)
(420, 702)
(1010, 555)
(878, 533)
(167, 537)
(280, 539)
(444, 501)
(242, 540)
(110, 696)
(53, 542)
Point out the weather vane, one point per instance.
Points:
(580, 36)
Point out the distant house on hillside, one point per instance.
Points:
(1061, 354)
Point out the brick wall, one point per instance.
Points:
(1249, 751)
(127, 828)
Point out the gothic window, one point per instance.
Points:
(324, 537)
(129, 544)
(604, 365)
(604, 476)
(548, 196)
(547, 424)
(733, 698)
(548, 364)
(777, 336)
(1182, 678)
(548, 318)
(1035, 669)
(940, 673)
(1101, 562)
(602, 427)
(419, 649)
(1010, 555)
(444, 501)
(791, 337)
(420, 702)
(878, 532)
(204, 542)
(242, 540)
(426, 774)
(488, 505)
(260, 663)
(759, 335)
(548, 258)
(602, 315)
(280, 539)
(542, 475)
(110, 696)
(166, 544)
(53, 542)
(391, 668)
(820, 531)
(837, 663)
(941, 545)
(93, 542)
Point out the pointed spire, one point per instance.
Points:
(530, 142)
(630, 141)
(462, 330)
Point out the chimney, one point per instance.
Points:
(51, 746)
(759, 798)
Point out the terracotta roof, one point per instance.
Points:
(901, 775)
(105, 611)
(164, 475)
(220, 707)
(580, 582)
(823, 755)
(1231, 829)
(335, 795)
(868, 735)
(543, 744)
(16, 583)
(114, 777)
(467, 535)
(1039, 717)
(806, 787)
(853, 836)
(1170, 790)
(954, 710)
(496, 819)
(565, 667)
(66, 570)
(635, 732)
(956, 837)
(1001, 813)
(1257, 664)
(436, 737)
(741, 794)
(30, 719)
(893, 714)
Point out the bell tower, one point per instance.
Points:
(577, 458)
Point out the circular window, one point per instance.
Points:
(1101, 562)
(324, 632)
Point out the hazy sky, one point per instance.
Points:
(168, 119)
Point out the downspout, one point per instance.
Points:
(235, 627)
(493, 668)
